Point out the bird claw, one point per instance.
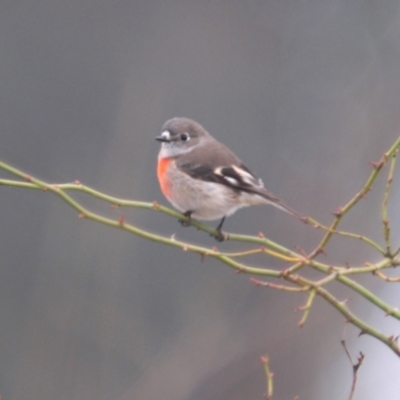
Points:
(185, 222)
(220, 236)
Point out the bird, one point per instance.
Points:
(205, 180)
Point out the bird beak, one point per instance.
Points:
(162, 139)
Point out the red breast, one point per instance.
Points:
(162, 175)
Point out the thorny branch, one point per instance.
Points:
(294, 280)
(355, 365)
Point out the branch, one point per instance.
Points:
(269, 375)
(294, 280)
(355, 366)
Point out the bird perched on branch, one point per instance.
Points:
(203, 179)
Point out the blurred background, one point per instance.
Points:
(306, 93)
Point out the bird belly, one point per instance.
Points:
(206, 200)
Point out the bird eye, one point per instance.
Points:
(184, 137)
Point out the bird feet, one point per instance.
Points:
(219, 236)
(186, 221)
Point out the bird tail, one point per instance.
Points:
(278, 203)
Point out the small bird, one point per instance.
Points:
(203, 179)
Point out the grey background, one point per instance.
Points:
(306, 92)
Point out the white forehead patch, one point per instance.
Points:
(166, 135)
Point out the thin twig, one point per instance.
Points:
(385, 219)
(355, 366)
(306, 308)
(269, 375)
(356, 198)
